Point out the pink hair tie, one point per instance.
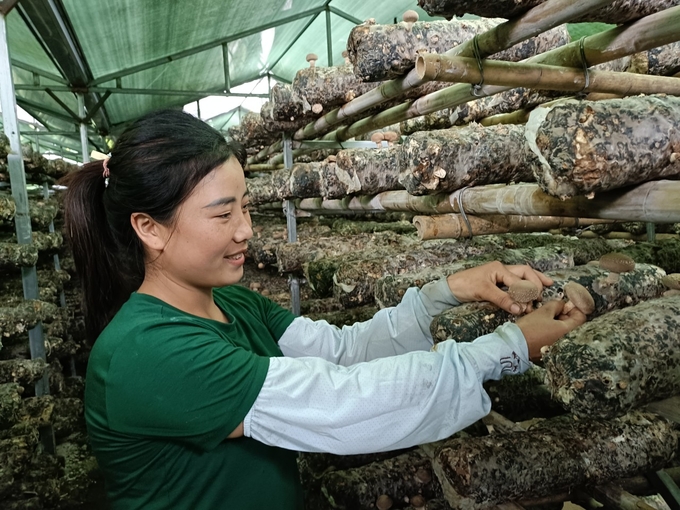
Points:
(106, 168)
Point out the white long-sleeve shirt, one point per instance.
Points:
(380, 385)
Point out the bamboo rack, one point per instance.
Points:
(537, 20)
(641, 35)
(654, 201)
(541, 76)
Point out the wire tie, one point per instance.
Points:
(462, 211)
(477, 89)
(582, 51)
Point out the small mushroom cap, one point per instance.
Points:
(524, 291)
(672, 281)
(390, 136)
(417, 501)
(345, 54)
(312, 56)
(579, 295)
(617, 262)
(384, 502)
(377, 137)
(410, 16)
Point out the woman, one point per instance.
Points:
(199, 392)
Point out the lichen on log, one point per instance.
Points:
(381, 52)
(10, 404)
(328, 86)
(400, 477)
(554, 456)
(16, 321)
(354, 280)
(469, 321)
(586, 147)
(18, 255)
(348, 227)
(50, 284)
(523, 397)
(618, 362)
(619, 11)
(374, 170)
(22, 371)
(516, 249)
(292, 256)
(251, 132)
(450, 159)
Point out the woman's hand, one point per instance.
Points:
(481, 284)
(547, 324)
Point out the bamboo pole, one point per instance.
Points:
(541, 76)
(452, 226)
(537, 20)
(654, 201)
(641, 35)
(261, 167)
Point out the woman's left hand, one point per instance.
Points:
(481, 284)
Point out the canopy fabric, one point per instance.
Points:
(144, 51)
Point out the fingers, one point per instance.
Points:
(501, 299)
(527, 273)
(552, 308)
(574, 319)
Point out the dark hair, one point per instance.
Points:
(154, 166)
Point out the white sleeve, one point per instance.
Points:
(391, 331)
(309, 404)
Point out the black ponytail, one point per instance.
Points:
(153, 168)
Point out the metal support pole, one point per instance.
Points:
(651, 232)
(83, 129)
(22, 219)
(198, 108)
(329, 37)
(291, 224)
(225, 60)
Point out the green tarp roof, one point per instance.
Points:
(144, 51)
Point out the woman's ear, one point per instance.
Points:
(153, 235)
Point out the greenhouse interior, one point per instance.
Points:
(340, 254)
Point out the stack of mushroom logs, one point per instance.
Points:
(581, 410)
(31, 477)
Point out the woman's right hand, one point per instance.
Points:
(547, 324)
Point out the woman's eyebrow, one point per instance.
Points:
(221, 201)
(224, 201)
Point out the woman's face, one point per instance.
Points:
(207, 245)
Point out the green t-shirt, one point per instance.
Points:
(165, 389)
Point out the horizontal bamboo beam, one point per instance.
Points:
(453, 226)
(537, 20)
(650, 32)
(654, 201)
(541, 76)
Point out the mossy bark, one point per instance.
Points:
(354, 281)
(251, 133)
(546, 253)
(400, 477)
(620, 11)
(523, 397)
(556, 455)
(618, 362)
(16, 321)
(370, 171)
(292, 256)
(22, 371)
(380, 52)
(18, 255)
(472, 320)
(328, 86)
(450, 159)
(592, 146)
